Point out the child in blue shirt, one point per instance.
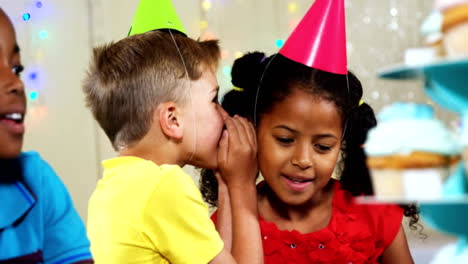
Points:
(38, 222)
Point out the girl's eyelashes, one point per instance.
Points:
(323, 148)
(284, 140)
(17, 70)
(319, 147)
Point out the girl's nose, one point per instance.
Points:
(302, 158)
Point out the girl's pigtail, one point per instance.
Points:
(355, 175)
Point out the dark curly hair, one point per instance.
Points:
(272, 80)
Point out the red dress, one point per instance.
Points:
(355, 234)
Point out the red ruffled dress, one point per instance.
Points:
(356, 234)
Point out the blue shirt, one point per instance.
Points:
(38, 222)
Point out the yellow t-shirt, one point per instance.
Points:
(144, 213)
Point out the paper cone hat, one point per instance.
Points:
(319, 40)
(153, 15)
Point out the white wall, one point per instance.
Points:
(58, 125)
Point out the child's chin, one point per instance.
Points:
(10, 153)
(211, 166)
(206, 164)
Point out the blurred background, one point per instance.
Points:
(57, 36)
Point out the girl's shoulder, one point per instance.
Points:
(347, 203)
(382, 220)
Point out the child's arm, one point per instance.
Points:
(238, 166)
(224, 216)
(398, 251)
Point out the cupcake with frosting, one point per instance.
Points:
(454, 26)
(431, 30)
(410, 153)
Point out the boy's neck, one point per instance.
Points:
(160, 152)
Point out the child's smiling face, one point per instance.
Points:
(299, 142)
(12, 97)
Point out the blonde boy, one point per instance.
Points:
(161, 112)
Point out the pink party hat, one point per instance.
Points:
(319, 40)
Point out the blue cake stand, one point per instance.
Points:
(446, 83)
(450, 215)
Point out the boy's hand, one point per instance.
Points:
(237, 155)
(237, 162)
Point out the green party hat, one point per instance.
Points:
(154, 15)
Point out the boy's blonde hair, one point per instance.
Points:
(128, 79)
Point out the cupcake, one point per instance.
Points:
(410, 153)
(454, 26)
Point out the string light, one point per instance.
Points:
(238, 54)
(37, 114)
(33, 95)
(203, 24)
(279, 43)
(293, 23)
(39, 55)
(224, 54)
(43, 34)
(26, 16)
(227, 70)
(208, 35)
(206, 5)
(292, 7)
(32, 76)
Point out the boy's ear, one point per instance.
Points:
(170, 120)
